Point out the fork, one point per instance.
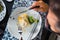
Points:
(19, 29)
(20, 32)
(24, 11)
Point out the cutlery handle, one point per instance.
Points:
(35, 7)
(20, 38)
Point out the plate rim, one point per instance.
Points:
(33, 10)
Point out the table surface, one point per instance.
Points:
(10, 6)
(8, 12)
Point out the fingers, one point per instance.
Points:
(35, 4)
(43, 7)
(36, 9)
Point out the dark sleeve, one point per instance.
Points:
(45, 34)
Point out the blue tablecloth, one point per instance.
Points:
(23, 3)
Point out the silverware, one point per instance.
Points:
(19, 29)
(21, 38)
(29, 8)
(24, 11)
(20, 32)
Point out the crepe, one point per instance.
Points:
(23, 20)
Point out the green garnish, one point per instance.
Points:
(32, 20)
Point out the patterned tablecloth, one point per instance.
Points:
(23, 3)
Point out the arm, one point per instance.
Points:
(43, 6)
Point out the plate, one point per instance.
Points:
(3, 12)
(12, 23)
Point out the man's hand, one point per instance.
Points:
(43, 7)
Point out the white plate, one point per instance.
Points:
(3, 13)
(12, 26)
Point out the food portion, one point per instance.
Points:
(1, 7)
(32, 20)
(25, 21)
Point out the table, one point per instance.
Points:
(3, 23)
(17, 3)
